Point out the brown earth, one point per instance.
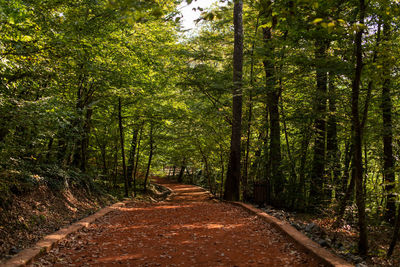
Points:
(187, 229)
(41, 212)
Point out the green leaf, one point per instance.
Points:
(266, 25)
(317, 20)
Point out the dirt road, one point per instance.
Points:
(188, 229)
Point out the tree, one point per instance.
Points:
(233, 174)
(357, 136)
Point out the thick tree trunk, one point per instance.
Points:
(121, 138)
(150, 157)
(357, 139)
(318, 165)
(232, 183)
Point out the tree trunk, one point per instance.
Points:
(302, 196)
(222, 171)
(318, 166)
(289, 150)
(274, 174)
(207, 174)
(115, 162)
(345, 199)
(232, 183)
(150, 157)
(77, 151)
(246, 193)
(121, 138)
(388, 159)
(347, 159)
(181, 172)
(333, 153)
(132, 152)
(84, 113)
(137, 160)
(173, 172)
(357, 138)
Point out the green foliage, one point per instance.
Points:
(65, 64)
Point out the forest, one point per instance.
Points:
(292, 104)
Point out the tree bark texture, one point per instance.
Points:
(318, 165)
(357, 138)
(232, 183)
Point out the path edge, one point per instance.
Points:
(43, 246)
(305, 243)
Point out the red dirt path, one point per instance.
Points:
(188, 229)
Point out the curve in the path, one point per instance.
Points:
(188, 229)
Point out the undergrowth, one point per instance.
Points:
(23, 178)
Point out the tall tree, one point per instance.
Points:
(387, 131)
(357, 135)
(132, 153)
(232, 182)
(332, 146)
(151, 152)
(318, 167)
(274, 172)
(121, 138)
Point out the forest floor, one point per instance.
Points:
(188, 228)
(342, 241)
(43, 211)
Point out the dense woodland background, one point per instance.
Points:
(106, 92)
